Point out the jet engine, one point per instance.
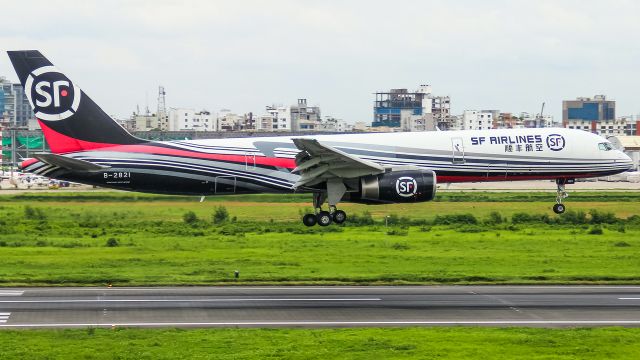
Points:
(396, 187)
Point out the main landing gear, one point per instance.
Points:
(322, 217)
(561, 194)
(335, 190)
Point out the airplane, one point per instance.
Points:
(89, 147)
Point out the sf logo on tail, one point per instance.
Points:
(44, 88)
(51, 94)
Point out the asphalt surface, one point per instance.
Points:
(544, 306)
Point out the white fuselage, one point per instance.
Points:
(265, 164)
(469, 155)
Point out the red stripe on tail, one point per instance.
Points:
(61, 144)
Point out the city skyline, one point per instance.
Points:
(506, 55)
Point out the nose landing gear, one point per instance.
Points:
(561, 194)
(558, 208)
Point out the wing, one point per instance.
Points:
(317, 162)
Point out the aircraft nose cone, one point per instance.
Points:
(624, 159)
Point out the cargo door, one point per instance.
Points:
(225, 185)
(458, 150)
(249, 161)
(497, 171)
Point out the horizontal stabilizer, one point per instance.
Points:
(68, 163)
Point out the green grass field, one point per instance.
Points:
(132, 239)
(96, 238)
(406, 343)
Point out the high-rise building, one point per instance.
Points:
(189, 119)
(412, 111)
(161, 113)
(2, 101)
(530, 120)
(23, 111)
(441, 110)
(390, 107)
(298, 117)
(586, 113)
(265, 122)
(631, 125)
(304, 117)
(7, 102)
(616, 127)
(507, 120)
(229, 121)
(144, 122)
(15, 109)
(280, 119)
(331, 124)
(478, 120)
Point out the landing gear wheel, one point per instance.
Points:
(558, 208)
(323, 218)
(309, 219)
(339, 216)
(561, 194)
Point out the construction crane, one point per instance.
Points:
(162, 109)
(540, 120)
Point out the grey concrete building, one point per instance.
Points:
(586, 113)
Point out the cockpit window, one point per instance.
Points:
(605, 146)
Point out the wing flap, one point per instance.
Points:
(319, 162)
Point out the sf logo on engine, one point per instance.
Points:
(406, 186)
(555, 142)
(51, 94)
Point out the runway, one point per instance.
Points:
(542, 306)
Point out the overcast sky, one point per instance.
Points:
(243, 55)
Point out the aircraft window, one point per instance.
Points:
(605, 146)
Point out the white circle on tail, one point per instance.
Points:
(51, 94)
(406, 186)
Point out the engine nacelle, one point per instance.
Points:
(396, 187)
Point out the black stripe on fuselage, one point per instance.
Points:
(187, 165)
(133, 166)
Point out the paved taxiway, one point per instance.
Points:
(550, 306)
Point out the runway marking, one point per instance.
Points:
(177, 300)
(11, 292)
(4, 317)
(629, 298)
(338, 287)
(337, 323)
